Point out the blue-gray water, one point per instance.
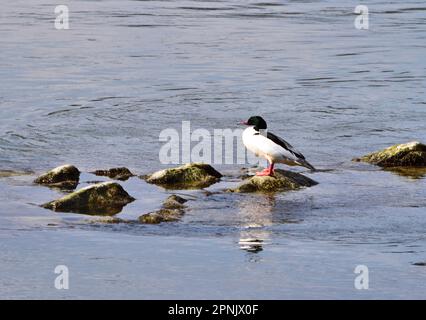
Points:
(99, 94)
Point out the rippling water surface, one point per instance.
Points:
(98, 95)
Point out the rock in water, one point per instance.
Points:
(107, 198)
(281, 181)
(115, 173)
(173, 210)
(188, 176)
(64, 177)
(412, 154)
(162, 215)
(174, 202)
(109, 220)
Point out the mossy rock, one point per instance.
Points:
(107, 198)
(174, 202)
(171, 211)
(412, 154)
(121, 173)
(110, 220)
(162, 215)
(282, 180)
(188, 176)
(63, 177)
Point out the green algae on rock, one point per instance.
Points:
(281, 181)
(162, 215)
(172, 210)
(174, 202)
(412, 154)
(188, 176)
(64, 177)
(109, 220)
(121, 173)
(107, 198)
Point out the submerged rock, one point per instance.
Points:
(115, 173)
(412, 154)
(64, 177)
(281, 181)
(109, 220)
(11, 173)
(172, 210)
(409, 172)
(107, 198)
(188, 176)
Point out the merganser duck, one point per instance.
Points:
(274, 149)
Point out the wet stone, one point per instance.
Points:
(121, 173)
(106, 198)
(188, 176)
(63, 177)
(282, 180)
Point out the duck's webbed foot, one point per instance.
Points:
(269, 171)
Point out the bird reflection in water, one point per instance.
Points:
(255, 214)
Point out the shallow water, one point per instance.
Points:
(98, 96)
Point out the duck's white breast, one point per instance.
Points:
(260, 145)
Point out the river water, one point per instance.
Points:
(99, 94)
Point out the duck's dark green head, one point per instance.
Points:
(257, 122)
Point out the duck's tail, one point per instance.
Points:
(306, 164)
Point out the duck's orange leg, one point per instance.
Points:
(269, 171)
